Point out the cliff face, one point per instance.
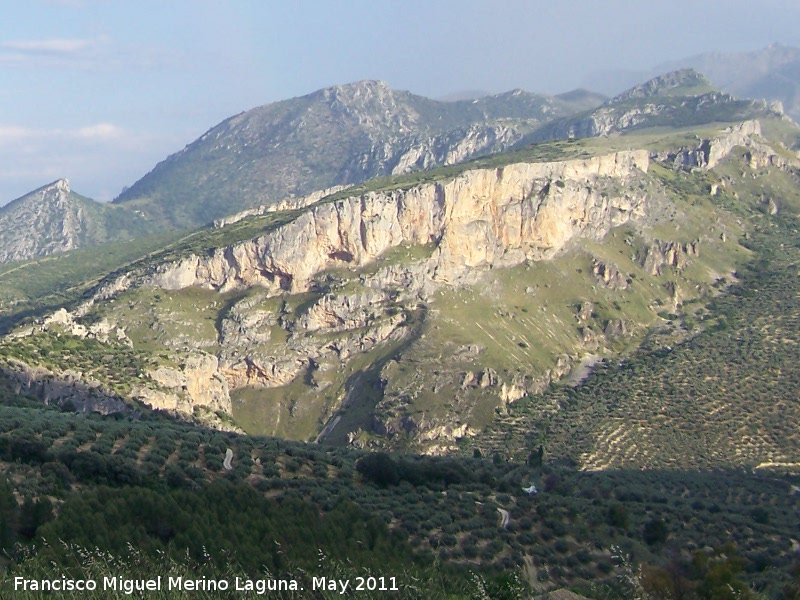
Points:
(482, 218)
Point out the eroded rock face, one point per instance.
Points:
(482, 218)
(660, 254)
(707, 154)
(69, 388)
(196, 382)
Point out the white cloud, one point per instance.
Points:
(51, 46)
(100, 131)
(14, 134)
(97, 132)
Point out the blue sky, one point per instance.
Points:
(99, 91)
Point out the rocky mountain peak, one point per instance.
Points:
(60, 186)
(682, 82)
(356, 89)
(335, 136)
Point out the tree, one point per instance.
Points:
(379, 468)
(618, 516)
(655, 532)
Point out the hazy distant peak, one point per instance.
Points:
(582, 95)
(462, 95)
(684, 82)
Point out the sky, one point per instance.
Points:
(99, 91)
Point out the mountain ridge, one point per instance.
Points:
(335, 136)
(678, 98)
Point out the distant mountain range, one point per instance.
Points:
(596, 299)
(409, 309)
(336, 136)
(678, 99)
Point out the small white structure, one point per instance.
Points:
(226, 464)
(530, 490)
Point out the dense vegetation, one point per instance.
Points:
(158, 488)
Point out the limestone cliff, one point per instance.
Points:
(481, 218)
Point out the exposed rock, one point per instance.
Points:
(511, 393)
(287, 204)
(709, 153)
(585, 311)
(487, 378)
(482, 218)
(470, 380)
(672, 254)
(615, 328)
(69, 388)
(197, 382)
(54, 219)
(772, 208)
(608, 274)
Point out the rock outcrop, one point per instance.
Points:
(709, 153)
(196, 382)
(671, 254)
(69, 389)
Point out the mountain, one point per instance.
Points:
(336, 136)
(677, 99)
(771, 73)
(54, 219)
(600, 333)
(411, 310)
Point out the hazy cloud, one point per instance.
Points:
(97, 158)
(11, 134)
(101, 131)
(52, 46)
(58, 53)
